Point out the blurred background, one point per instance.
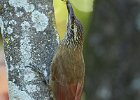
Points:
(111, 48)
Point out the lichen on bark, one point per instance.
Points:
(30, 39)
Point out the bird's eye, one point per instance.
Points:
(72, 26)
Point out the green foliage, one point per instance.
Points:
(82, 9)
(83, 5)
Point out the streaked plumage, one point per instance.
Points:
(68, 69)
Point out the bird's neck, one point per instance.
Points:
(72, 40)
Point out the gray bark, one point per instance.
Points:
(30, 39)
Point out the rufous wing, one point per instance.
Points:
(68, 91)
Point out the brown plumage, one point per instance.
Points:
(68, 69)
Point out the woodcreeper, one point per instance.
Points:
(68, 68)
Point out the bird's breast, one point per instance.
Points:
(71, 64)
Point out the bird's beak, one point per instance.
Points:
(70, 9)
(71, 15)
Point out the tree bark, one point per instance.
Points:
(30, 38)
(113, 71)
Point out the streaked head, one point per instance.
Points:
(74, 27)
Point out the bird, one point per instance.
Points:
(67, 72)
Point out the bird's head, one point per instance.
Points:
(74, 27)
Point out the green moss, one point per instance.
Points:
(10, 8)
(1, 8)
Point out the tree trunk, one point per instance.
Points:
(30, 39)
(113, 47)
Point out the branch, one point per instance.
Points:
(30, 39)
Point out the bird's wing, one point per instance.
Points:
(68, 91)
(62, 89)
(76, 91)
